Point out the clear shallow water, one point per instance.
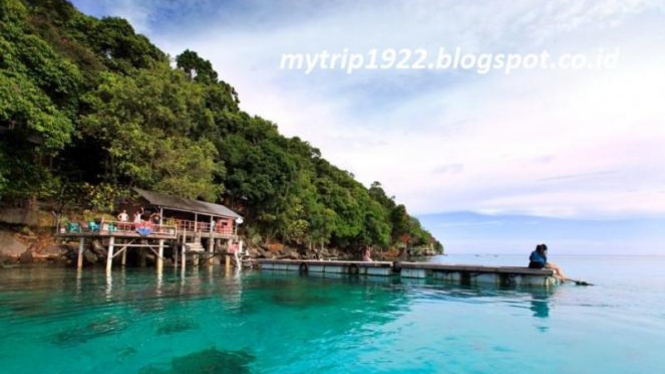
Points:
(52, 321)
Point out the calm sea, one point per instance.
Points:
(54, 320)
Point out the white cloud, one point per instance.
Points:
(509, 137)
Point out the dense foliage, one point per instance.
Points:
(89, 108)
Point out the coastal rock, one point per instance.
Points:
(7, 259)
(53, 250)
(293, 254)
(90, 257)
(99, 249)
(10, 246)
(274, 247)
(253, 253)
(26, 257)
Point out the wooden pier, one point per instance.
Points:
(462, 274)
(331, 267)
(191, 229)
(477, 274)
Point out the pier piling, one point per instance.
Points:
(160, 256)
(124, 258)
(79, 259)
(109, 256)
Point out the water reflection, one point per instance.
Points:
(540, 302)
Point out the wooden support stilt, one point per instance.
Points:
(109, 257)
(238, 256)
(175, 255)
(124, 258)
(211, 249)
(79, 260)
(160, 256)
(183, 258)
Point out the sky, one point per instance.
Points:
(576, 153)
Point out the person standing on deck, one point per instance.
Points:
(123, 216)
(138, 215)
(538, 260)
(155, 218)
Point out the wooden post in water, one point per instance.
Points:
(160, 256)
(183, 258)
(227, 261)
(239, 254)
(175, 254)
(109, 257)
(211, 242)
(124, 257)
(79, 260)
(195, 254)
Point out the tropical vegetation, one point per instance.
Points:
(89, 109)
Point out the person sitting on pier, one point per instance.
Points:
(367, 254)
(538, 260)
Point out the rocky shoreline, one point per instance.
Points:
(24, 246)
(20, 245)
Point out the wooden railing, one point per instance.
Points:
(109, 227)
(203, 227)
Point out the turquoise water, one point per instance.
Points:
(52, 321)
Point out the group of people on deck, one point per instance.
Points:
(137, 217)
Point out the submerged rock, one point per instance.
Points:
(90, 257)
(176, 326)
(301, 300)
(208, 361)
(93, 330)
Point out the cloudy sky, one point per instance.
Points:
(582, 148)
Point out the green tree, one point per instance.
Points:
(90, 108)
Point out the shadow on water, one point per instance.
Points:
(209, 361)
(176, 325)
(301, 300)
(95, 329)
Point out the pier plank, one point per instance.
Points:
(460, 273)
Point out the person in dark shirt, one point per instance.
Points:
(538, 260)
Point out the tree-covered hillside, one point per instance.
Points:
(89, 109)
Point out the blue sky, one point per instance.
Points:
(579, 152)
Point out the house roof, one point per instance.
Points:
(179, 203)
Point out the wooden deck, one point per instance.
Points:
(478, 274)
(333, 267)
(117, 234)
(476, 268)
(463, 274)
